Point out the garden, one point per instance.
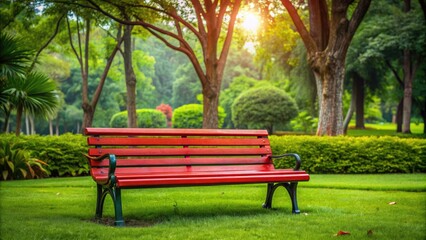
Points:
(325, 80)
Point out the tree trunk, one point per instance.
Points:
(50, 127)
(210, 109)
(327, 43)
(57, 126)
(359, 92)
(408, 92)
(19, 111)
(351, 109)
(399, 116)
(408, 82)
(130, 78)
(6, 120)
(87, 116)
(331, 72)
(27, 124)
(87, 108)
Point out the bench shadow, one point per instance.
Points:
(196, 213)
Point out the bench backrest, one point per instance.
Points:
(200, 149)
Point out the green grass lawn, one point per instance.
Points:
(382, 129)
(63, 208)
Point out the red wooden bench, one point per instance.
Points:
(146, 158)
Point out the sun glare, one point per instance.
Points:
(250, 21)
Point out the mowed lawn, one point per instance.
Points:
(391, 206)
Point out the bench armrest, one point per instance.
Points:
(296, 156)
(112, 165)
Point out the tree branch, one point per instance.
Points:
(47, 43)
(71, 43)
(228, 38)
(301, 28)
(358, 15)
(395, 73)
(104, 75)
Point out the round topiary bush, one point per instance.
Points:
(263, 107)
(146, 118)
(191, 116)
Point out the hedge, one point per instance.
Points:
(353, 154)
(64, 153)
(146, 118)
(191, 116)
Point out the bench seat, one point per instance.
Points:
(150, 158)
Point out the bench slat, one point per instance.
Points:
(173, 132)
(181, 161)
(184, 169)
(204, 174)
(179, 181)
(109, 141)
(179, 151)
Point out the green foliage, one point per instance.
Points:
(186, 86)
(304, 122)
(63, 154)
(228, 96)
(191, 116)
(17, 163)
(14, 59)
(353, 154)
(151, 118)
(263, 107)
(146, 118)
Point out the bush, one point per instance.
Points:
(167, 110)
(191, 116)
(18, 164)
(63, 154)
(353, 154)
(263, 107)
(146, 118)
(304, 122)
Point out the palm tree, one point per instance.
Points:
(14, 61)
(34, 94)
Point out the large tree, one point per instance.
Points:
(331, 29)
(211, 23)
(82, 36)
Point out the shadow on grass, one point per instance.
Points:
(201, 214)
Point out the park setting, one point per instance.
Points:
(212, 119)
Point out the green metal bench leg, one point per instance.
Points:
(116, 197)
(269, 194)
(101, 194)
(291, 189)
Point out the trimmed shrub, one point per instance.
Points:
(63, 154)
(191, 116)
(335, 155)
(263, 107)
(353, 154)
(146, 118)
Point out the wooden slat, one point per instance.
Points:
(200, 174)
(196, 181)
(179, 151)
(177, 141)
(181, 161)
(146, 171)
(172, 132)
